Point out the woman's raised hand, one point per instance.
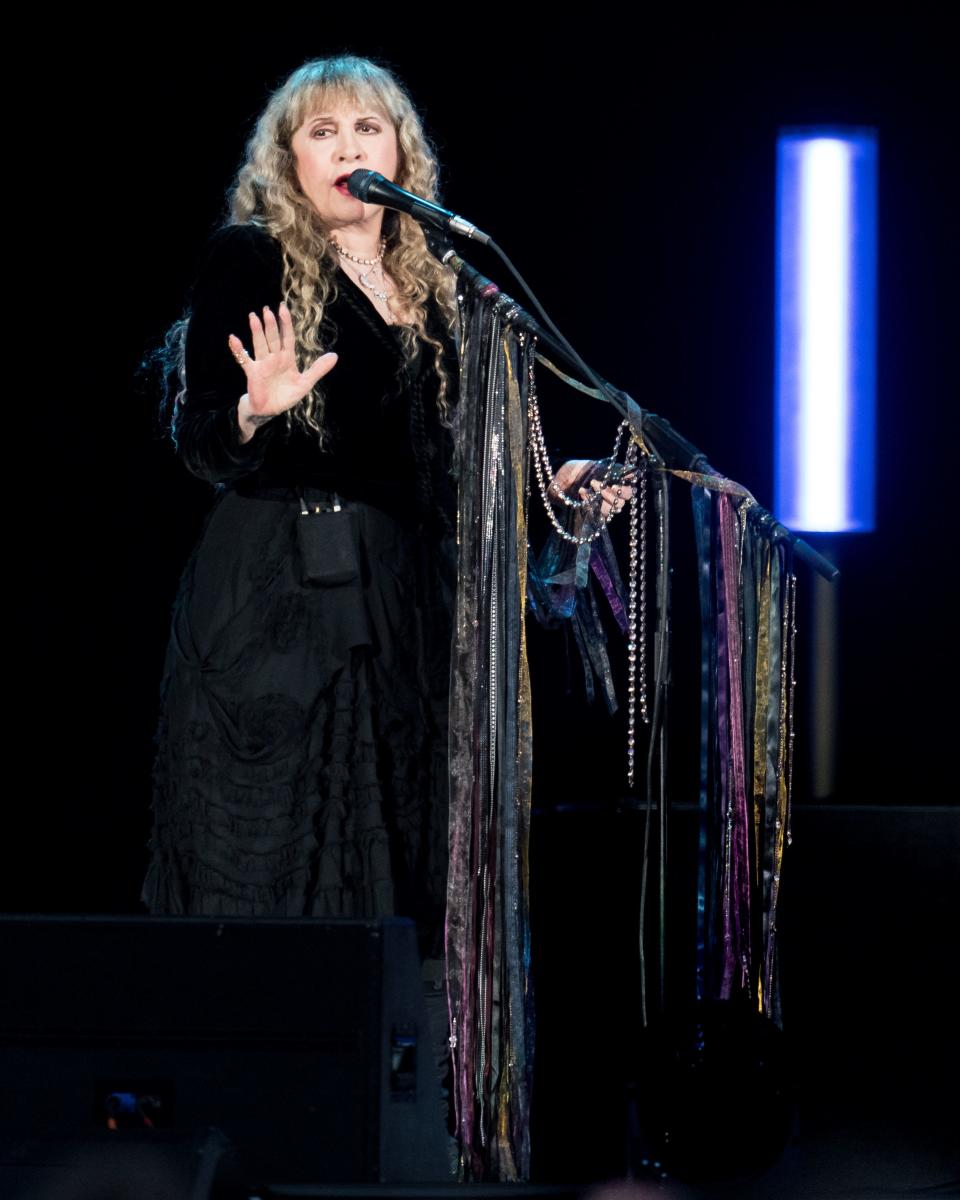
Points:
(613, 497)
(274, 382)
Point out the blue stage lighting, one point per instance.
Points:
(826, 329)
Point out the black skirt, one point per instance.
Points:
(302, 747)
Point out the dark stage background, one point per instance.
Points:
(631, 177)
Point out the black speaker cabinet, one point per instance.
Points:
(304, 1043)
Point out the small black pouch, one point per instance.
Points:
(327, 541)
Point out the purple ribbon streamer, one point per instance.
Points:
(610, 590)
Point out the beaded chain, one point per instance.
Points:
(546, 479)
(637, 578)
(637, 597)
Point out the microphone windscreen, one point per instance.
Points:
(360, 181)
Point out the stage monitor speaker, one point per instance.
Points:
(304, 1042)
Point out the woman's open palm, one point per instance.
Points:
(274, 381)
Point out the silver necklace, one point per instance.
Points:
(368, 283)
(365, 278)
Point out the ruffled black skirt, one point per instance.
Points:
(302, 747)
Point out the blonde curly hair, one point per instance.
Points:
(267, 193)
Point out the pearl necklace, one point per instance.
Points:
(364, 262)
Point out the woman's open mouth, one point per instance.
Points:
(340, 183)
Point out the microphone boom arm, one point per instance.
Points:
(675, 450)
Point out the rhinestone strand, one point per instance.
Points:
(544, 472)
(636, 635)
(544, 457)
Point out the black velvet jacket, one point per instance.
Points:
(385, 443)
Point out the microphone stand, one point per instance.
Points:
(676, 452)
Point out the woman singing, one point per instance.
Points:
(302, 748)
(301, 767)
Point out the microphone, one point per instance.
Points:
(372, 188)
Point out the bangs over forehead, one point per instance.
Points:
(322, 98)
(325, 84)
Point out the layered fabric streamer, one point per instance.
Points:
(747, 600)
(747, 603)
(748, 635)
(487, 924)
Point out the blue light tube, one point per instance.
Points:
(825, 385)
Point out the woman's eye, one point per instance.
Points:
(365, 127)
(320, 132)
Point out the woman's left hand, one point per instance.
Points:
(615, 496)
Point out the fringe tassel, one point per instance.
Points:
(487, 924)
